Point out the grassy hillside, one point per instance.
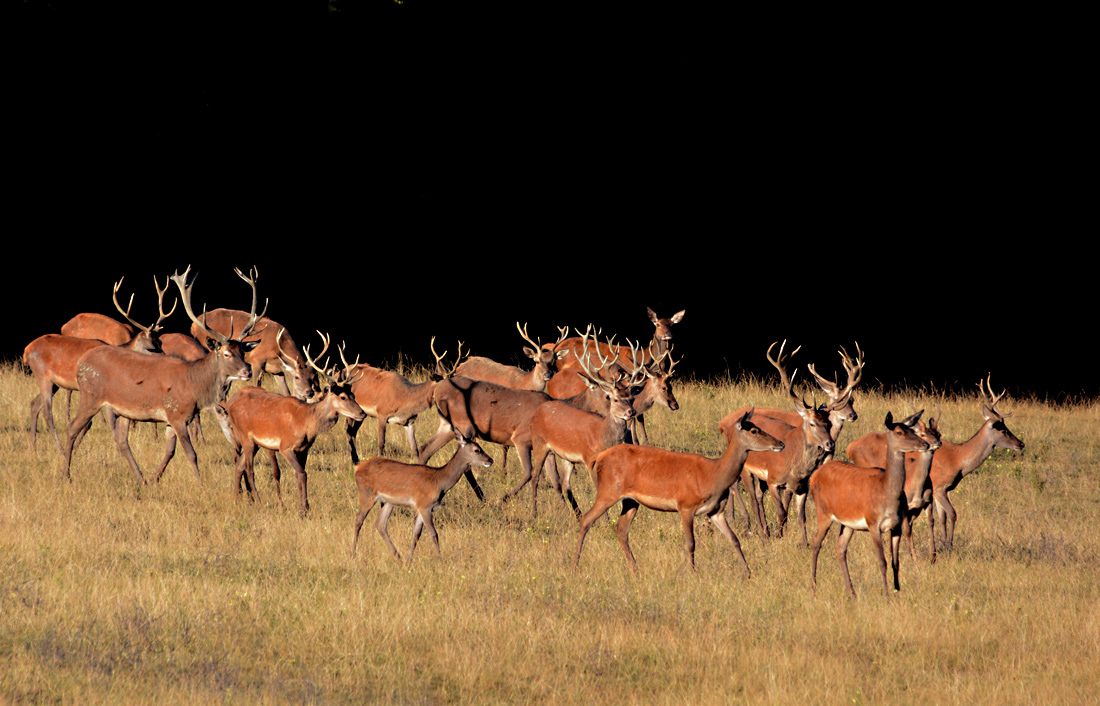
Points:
(181, 592)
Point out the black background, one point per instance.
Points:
(396, 172)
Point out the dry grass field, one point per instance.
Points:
(181, 593)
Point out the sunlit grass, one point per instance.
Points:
(182, 592)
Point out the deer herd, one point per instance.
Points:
(582, 402)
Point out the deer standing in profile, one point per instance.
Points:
(416, 486)
(393, 399)
(867, 499)
(254, 419)
(140, 387)
(53, 358)
(671, 481)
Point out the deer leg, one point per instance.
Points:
(527, 476)
(876, 541)
(246, 472)
(77, 429)
(823, 525)
(442, 436)
(567, 485)
(842, 555)
(949, 516)
(687, 521)
(366, 502)
(895, 555)
(277, 475)
(188, 449)
(122, 441)
(351, 429)
(418, 526)
(598, 510)
(36, 408)
(382, 423)
(800, 503)
(429, 523)
(718, 519)
(297, 460)
(780, 508)
(410, 433)
(622, 530)
(46, 392)
(380, 525)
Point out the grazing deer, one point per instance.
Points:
(415, 486)
(158, 388)
(954, 461)
(392, 399)
(53, 358)
(870, 450)
(274, 351)
(254, 418)
(578, 436)
(866, 499)
(808, 444)
(671, 481)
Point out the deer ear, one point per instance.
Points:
(889, 420)
(678, 316)
(248, 346)
(531, 353)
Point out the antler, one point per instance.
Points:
(992, 400)
(160, 305)
(442, 370)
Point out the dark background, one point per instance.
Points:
(396, 172)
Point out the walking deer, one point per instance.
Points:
(53, 358)
(671, 481)
(254, 418)
(141, 387)
(420, 487)
(393, 399)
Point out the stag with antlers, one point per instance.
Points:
(254, 419)
(166, 389)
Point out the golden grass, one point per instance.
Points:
(182, 593)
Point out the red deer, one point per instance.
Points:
(866, 499)
(254, 418)
(158, 388)
(671, 481)
(392, 399)
(658, 347)
(953, 462)
(870, 450)
(419, 487)
(478, 368)
(274, 350)
(578, 436)
(53, 358)
(786, 474)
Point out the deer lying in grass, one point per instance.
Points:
(254, 419)
(415, 486)
(670, 481)
(867, 499)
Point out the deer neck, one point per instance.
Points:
(451, 471)
(732, 461)
(206, 381)
(895, 471)
(973, 452)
